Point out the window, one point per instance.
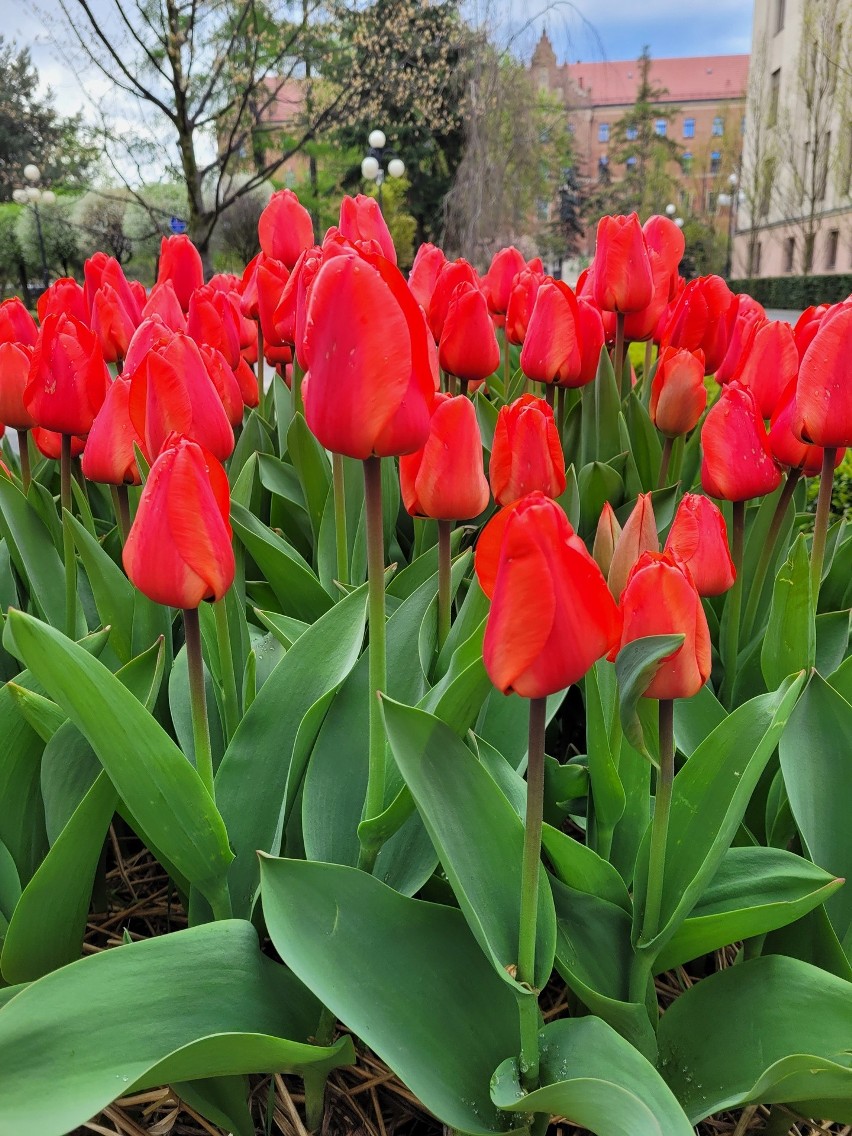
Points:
(718, 127)
(715, 162)
(631, 133)
(631, 164)
(603, 132)
(831, 248)
(774, 95)
(789, 254)
(660, 127)
(603, 168)
(686, 161)
(779, 16)
(689, 128)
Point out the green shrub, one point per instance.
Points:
(795, 291)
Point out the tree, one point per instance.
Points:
(99, 218)
(32, 130)
(59, 238)
(759, 158)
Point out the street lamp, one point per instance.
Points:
(373, 165)
(671, 209)
(732, 199)
(34, 195)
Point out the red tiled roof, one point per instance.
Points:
(686, 80)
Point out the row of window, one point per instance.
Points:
(661, 128)
(829, 251)
(685, 161)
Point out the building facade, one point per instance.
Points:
(795, 209)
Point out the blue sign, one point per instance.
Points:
(176, 225)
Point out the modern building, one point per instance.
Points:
(705, 94)
(795, 202)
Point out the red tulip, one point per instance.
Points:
(638, 536)
(661, 599)
(526, 454)
(212, 321)
(585, 292)
(172, 392)
(361, 220)
(63, 297)
(15, 361)
(270, 280)
(68, 377)
(769, 362)
(699, 537)
(103, 270)
(180, 262)
(449, 278)
(225, 382)
(521, 301)
(737, 463)
(551, 616)
(590, 327)
(666, 239)
(703, 318)
(163, 302)
(807, 325)
(424, 273)
(787, 448)
(16, 323)
(623, 279)
(747, 312)
(109, 456)
(369, 387)
(49, 443)
(93, 271)
(112, 323)
(551, 351)
(824, 392)
(606, 538)
(498, 280)
(178, 551)
(285, 228)
(678, 394)
(468, 347)
(445, 480)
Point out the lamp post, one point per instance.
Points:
(34, 195)
(732, 200)
(374, 165)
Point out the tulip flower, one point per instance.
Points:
(769, 362)
(49, 443)
(525, 287)
(445, 480)
(737, 463)
(361, 220)
(63, 297)
(747, 311)
(787, 448)
(703, 318)
(113, 323)
(699, 539)
(665, 238)
(109, 456)
(678, 396)
(180, 262)
(449, 278)
(590, 328)
(271, 279)
(606, 538)
(285, 228)
(68, 377)
(424, 273)
(163, 302)
(15, 361)
(212, 321)
(623, 280)
(225, 382)
(498, 280)
(468, 348)
(807, 325)
(638, 536)
(551, 352)
(526, 454)
(16, 324)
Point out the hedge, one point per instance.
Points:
(796, 292)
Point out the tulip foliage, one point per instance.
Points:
(448, 670)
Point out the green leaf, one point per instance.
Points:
(44, 716)
(754, 890)
(443, 1034)
(583, 869)
(199, 1003)
(816, 759)
(10, 885)
(477, 835)
(22, 827)
(113, 592)
(151, 775)
(607, 800)
(312, 468)
(597, 483)
(254, 439)
(696, 718)
(597, 1079)
(253, 778)
(773, 1030)
(645, 442)
(636, 665)
(789, 645)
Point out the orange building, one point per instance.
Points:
(706, 93)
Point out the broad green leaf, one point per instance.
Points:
(754, 890)
(696, 718)
(832, 640)
(181, 710)
(636, 665)
(607, 800)
(816, 759)
(504, 723)
(477, 835)
(312, 468)
(645, 442)
(445, 1033)
(773, 1030)
(22, 826)
(254, 439)
(285, 628)
(596, 1078)
(44, 716)
(597, 484)
(280, 479)
(10, 885)
(151, 775)
(789, 645)
(198, 1003)
(113, 592)
(253, 776)
(583, 869)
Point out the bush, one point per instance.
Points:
(795, 291)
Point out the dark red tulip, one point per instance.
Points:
(109, 456)
(285, 228)
(526, 454)
(180, 262)
(212, 321)
(737, 463)
(590, 326)
(788, 449)
(468, 347)
(807, 325)
(225, 382)
(113, 323)
(666, 239)
(445, 480)
(747, 312)
(699, 537)
(449, 278)
(68, 377)
(622, 277)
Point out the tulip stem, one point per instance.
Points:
(444, 582)
(121, 504)
(646, 370)
(668, 446)
(549, 394)
(24, 454)
(660, 824)
(260, 361)
(230, 698)
(198, 699)
(530, 869)
(733, 606)
(619, 352)
(507, 365)
(339, 490)
(767, 552)
(561, 396)
(298, 405)
(826, 481)
(375, 798)
(68, 538)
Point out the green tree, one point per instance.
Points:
(59, 237)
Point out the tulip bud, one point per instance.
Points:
(285, 228)
(16, 323)
(661, 599)
(807, 325)
(68, 377)
(769, 362)
(271, 279)
(449, 278)
(526, 454)
(551, 351)
(525, 287)
(747, 311)
(622, 278)
(606, 538)
(703, 317)
(63, 297)
(468, 348)
(665, 238)
(638, 535)
(424, 273)
(109, 456)
(15, 362)
(225, 382)
(737, 463)
(445, 480)
(178, 551)
(497, 282)
(824, 393)
(361, 220)
(213, 322)
(180, 262)
(551, 615)
(678, 394)
(113, 323)
(699, 538)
